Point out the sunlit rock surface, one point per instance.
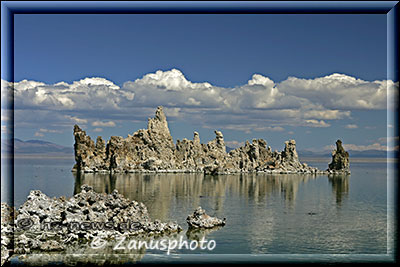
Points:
(66, 226)
(153, 150)
(6, 232)
(200, 219)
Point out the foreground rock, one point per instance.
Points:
(6, 232)
(47, 224)
(340, 160)
(153, 150)
(199, 219)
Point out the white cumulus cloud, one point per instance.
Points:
(260, 104)
(316, 123)
(103, 123)
(234, 143)
(340, 91)
(39, 134)
(351, 126)
(76, 119)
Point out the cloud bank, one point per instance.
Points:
(259, 105)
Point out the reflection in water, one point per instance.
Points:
(340, 187)
(82, 254)
(102, 183)
(329, 215)
(159, 191)
(198, 234)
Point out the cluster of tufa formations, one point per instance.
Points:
(33, 218)
(61, 227)
(153, 150)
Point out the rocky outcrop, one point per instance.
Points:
(58, 224)
(89, 156)
(340, 160)
(200, 219)
(7, 218)
(153, 150)
(150, 149)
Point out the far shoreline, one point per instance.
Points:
(40, 156)
(355, 160)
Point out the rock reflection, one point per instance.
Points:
(102, 183)
(160, 191)
(198, 234)
(83, 255)
(340, 187)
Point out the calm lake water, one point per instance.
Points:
(266, 214)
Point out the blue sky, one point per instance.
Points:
(224, 50)
(319, 77)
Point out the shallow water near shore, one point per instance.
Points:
(266, 214)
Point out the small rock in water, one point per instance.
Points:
(199, 219)
(340, 160)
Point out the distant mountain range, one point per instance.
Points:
(353, 153)
(45, 147)
(35, 147)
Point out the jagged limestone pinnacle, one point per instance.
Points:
(340, 159)
(153, 149)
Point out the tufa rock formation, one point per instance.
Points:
(340, 160)
(200, 219)
(153, 150)
(44, 224)
(67, 226)
(7, 233)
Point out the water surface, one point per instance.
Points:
(266, 214)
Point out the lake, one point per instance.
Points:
(265, 214)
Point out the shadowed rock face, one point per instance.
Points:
(153, 150)
(340, 159)
(89, 156)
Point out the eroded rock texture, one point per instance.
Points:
(201, 220)
(60, 227)
(340, 160)
(57, 224)
(153, 150)
(6, 232)
(88, 155)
